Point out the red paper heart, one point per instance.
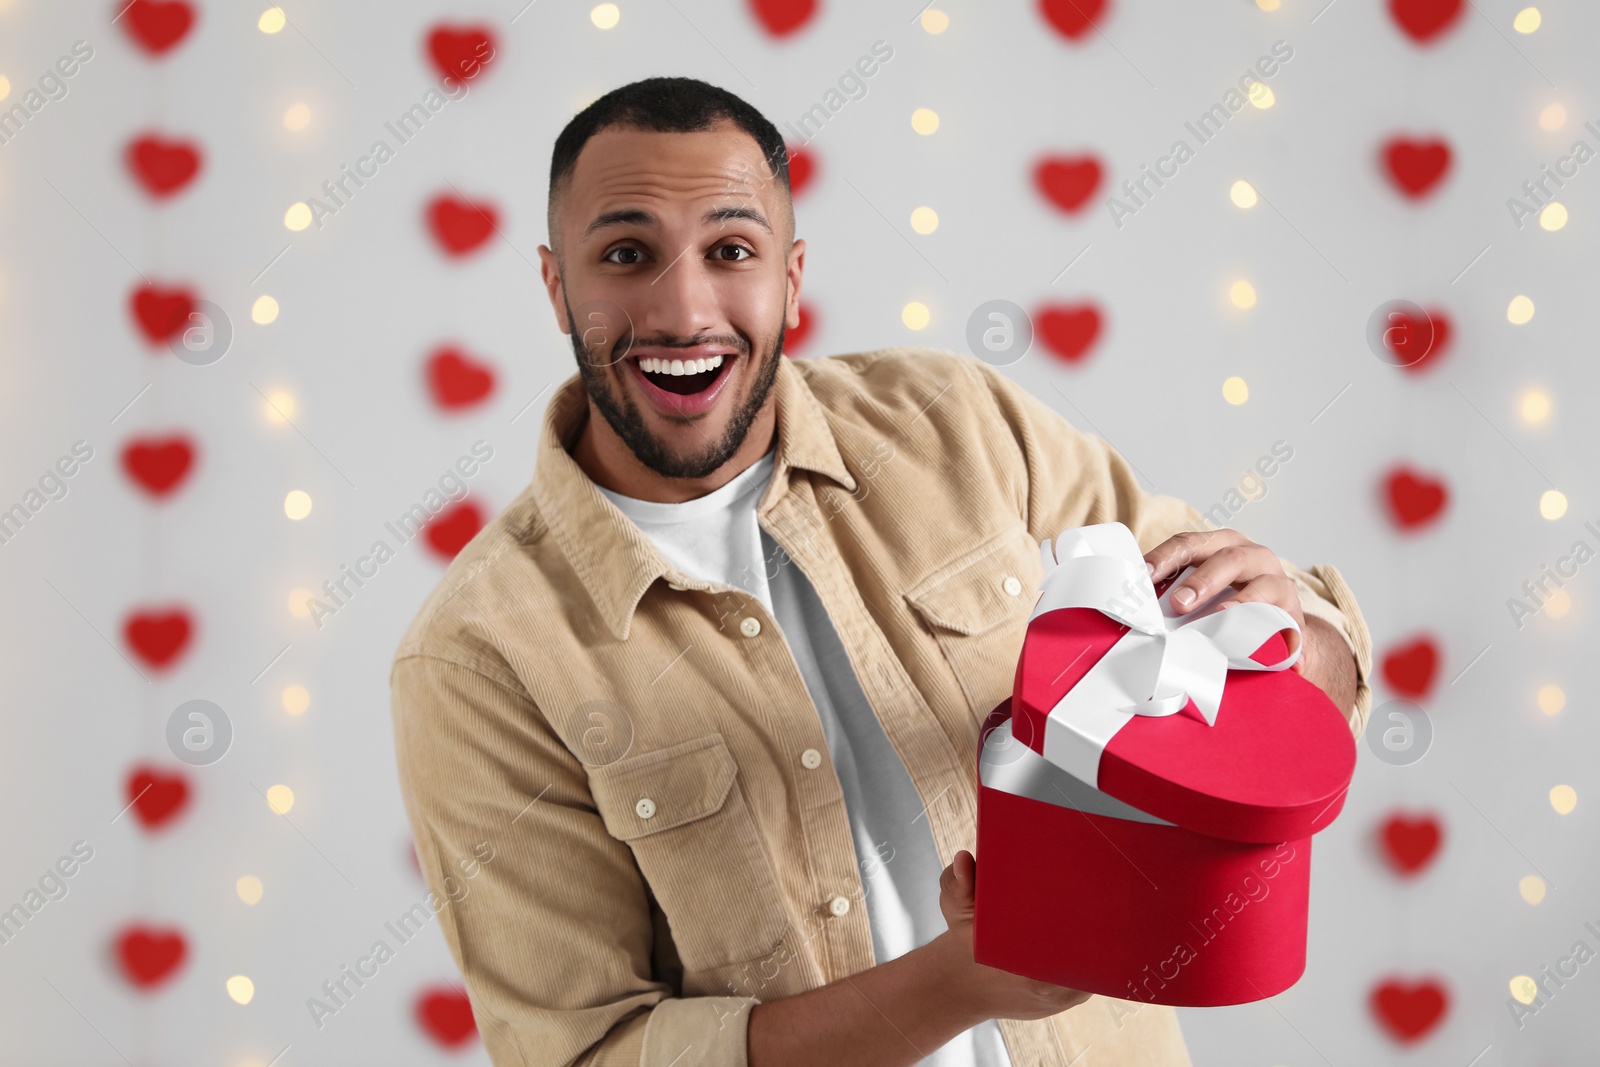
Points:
(1067, 181)
(461, 51)
(158, 637)
(802, 168)
(157, 798)
(1410, 1010)
(1409, 669)
(1069, 330)
(1406, 339)
(794, 340)
(1071, 18)
(1424, 20)
(1416, 167)
(456, 380)
(1414, 499)
(162, 167)
(150, 956)
(460, 226)
(450, 530)
(158, 464)
(161, 312)
(156, 26)
(782, 17)
(446, 1016)
(1411, 844)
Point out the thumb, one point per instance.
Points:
(965, 868)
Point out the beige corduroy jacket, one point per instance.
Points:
(639, 749)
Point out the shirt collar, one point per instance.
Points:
(614, 560)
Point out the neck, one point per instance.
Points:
(611, 464)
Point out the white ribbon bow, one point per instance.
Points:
(1160, 664)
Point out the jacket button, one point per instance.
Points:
(750, 626)
(645, 808)
(811, 759)
(1011, 585)
(839, 905)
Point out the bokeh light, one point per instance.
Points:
(1553, 117)
(298, 217)
(1261, 96)
(924, 220)
(241, 989)
(1552, 504)
(1553, 217)
(1235, 390)
(296, 699)
(915, 315)
(1527, 20)
(1552, 698)
(1243, 295)
(1242, 193)
(1563, 798)
(925, 120)
(272, 20)
(280, 798)
(605, 16)
(1535, 407)
(297, 504)
(297, 118)
(264, 311)
(1532, 888)
(280, 407)
(935, 21)
(1519, 311)
(249, 889)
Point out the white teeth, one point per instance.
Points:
(680, 367)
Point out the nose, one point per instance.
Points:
(679, 301)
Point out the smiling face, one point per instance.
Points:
(676, 278)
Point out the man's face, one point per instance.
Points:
(676, 281)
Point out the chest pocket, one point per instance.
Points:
(681, 811)
(977, 609)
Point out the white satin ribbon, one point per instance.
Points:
(1160, 664)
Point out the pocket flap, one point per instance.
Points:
(970, 594)
(683, 783)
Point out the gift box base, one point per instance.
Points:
(1137, 910)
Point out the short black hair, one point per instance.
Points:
(663, 105)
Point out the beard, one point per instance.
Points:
(622, 414)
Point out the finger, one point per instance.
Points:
(1235, 564)
(1188, 547)
(1281, 591)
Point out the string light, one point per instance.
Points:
(280, 407)
(264, 311)
(1525, 989)
(5, 87)
(1553, 217)
(1242, 193)
(296, 699)
(915, 315)
(298, 217)
(297, 504)
(272, 20)
(924, 220)
(1552, 504)
(1235, 390)
(1552, 698)
(1243, 295)
(280, 798)
(1261, 96)
(241, 989)
(925, 120)
(297, 118)
(935, 21)
(300, 602)
(1267, 5)
(1552, 118)
(249, 889)
(1532, 888)
(1527, 20)
(1557, 604)
(1535, 407)
(605, 16)
(1563, 798)
(1519, 311)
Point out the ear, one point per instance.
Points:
(796, 267)
(549, 270)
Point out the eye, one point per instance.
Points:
(747, 253)
(623, 249)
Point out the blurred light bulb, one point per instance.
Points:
(925, 120)
(1527, 20)
(296, 699)
(935, 21)
(605, 16)
(915, 315)
(1557, 604)
(241, 989)
(249, 889)
(1553, 217)
(300, 602)
(1563, 798)
(297, 117)
(1242, 193)
(1532, 888)
(1243, 295)
(924, 220)
(280, 798)
(1552, 698)
(1235, 390)
(1535, 407)
(1519, 311)
(1553, 117)
(1552, 504)
(1261, 96)
(264, 311)
(5, 87)
(298, 217)
(1524, 989)
(280, 407)
(297, 504)
(1267, 5)
(272, 20)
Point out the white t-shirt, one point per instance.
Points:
(717, 538)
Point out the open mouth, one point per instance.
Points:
(683, 377)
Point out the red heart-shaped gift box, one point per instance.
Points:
(1182, 875)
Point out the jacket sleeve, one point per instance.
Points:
(545, 912)
(1075, 479)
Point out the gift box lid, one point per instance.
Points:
(1274, 766)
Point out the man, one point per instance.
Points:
(710, 688)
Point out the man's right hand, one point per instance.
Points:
(988, 991)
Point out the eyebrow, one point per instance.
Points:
(640, 217)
